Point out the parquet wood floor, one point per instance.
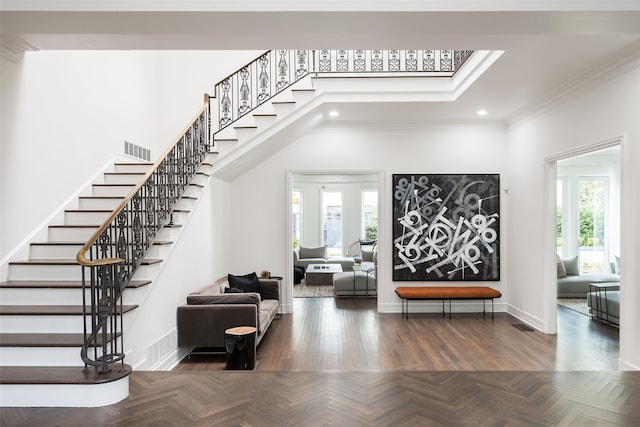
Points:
(487, 373)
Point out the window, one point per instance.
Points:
(332, 222)
(369, 215)
(592, 196)
(560, 216)
(296, 223)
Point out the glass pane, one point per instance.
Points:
(296, 223)
(559, 215)
(592, 220)
(332, 222)
(370, 215)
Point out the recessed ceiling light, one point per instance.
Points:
(482, 112)
(333, 113)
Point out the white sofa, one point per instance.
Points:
(303, 256)
(573, 284)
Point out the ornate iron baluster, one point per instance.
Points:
(325, 61)
(377, 63)
(342, 61)
(359, 61)
(263, 84)
(245, 92)
(394, 60)
(446, 64)
(429, 61)
(412, 60)
(302, 68)
(283, 71)
(225, 103)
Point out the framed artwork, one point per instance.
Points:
(446, 227)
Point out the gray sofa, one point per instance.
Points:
(303, 256)
(573, 284)
(605, 306)
(210, 311)
(358, 283)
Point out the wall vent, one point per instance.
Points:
(136, 151)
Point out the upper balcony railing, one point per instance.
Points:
(276, 70)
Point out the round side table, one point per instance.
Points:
(240, 345)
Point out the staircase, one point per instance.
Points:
(41, 311)
(42, 303)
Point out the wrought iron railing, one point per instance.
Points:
(276, 70)
(111, 256)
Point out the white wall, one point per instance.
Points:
(597, 114)
(64, 115)
(259, 199)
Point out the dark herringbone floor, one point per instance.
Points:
(201, 393)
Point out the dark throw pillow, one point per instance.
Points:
(246, 283)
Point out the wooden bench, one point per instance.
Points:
(444, 293)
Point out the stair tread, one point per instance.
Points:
(50, 310)
(90, 210)
(245, 127)
(79, 243)
(125, 173)
(283, 102)
(145, 261)
(114, 185)
(303, 90)
(47, 339)
(265, 115)
(75, 226)
(225, 139)
(102, 197)
(60, 374)
(54, 284)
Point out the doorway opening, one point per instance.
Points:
(588, 233)
(327, 213)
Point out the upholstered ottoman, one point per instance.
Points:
(347, 263)
(354, 283)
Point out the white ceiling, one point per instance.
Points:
(550, 46)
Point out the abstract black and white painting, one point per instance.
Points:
(446, 227)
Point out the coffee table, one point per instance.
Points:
(321, 274)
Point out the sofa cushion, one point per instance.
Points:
(246, 283)
(571, 266)
(562, 272)
(243, 298)
(233, 291)
(319, 252)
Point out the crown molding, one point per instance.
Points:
(13, 47)
(619, 64)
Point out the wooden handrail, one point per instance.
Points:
(80, 257)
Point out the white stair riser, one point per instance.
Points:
(223, 147)
(44, 272)
(200, 179)
(82, 234)
(85, 218)
(264, 122)
(40, 356)
(193, 191)
(54, 251)
(122, 178)
(42, 324)
(111, 190)
(245, 133)
(283, 109)
(38, 252)
(48, 296)
(55, 272)
(132, 168)
(99, 204)
(302, 97)
(186, 204)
